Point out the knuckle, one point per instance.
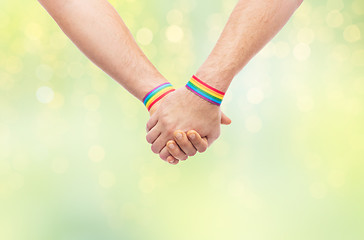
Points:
(170, 131)
(163, 120)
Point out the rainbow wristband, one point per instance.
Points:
(157, 94)
(205, 91)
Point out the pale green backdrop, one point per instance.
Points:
(74, 163)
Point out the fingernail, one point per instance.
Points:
(171, 146)
(179, 136)
(192, 136)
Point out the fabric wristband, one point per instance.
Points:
(157, 94)
(205, 91)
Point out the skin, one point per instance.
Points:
(98, 31)
(184, 144)
(252, 24)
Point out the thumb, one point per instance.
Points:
(225, 120)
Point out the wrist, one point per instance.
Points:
(157, 94)
(149, 84)
(215, 77)
(205, 91)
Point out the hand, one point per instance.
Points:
(173, 153)
(183, 110)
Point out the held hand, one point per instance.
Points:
(180, 148)
(183, 110)
(176, 151)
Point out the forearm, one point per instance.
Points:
(98, 31)
(251, 25)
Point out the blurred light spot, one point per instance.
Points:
(341, 52)
(215, 20)
(318, 190)
(44, 72)
(282, 49)
(174, 33)
(324, 34)
(33, 31)
(303, 15)
(358, 58)
(151, 52)
(352, 33)
(336, 178)
(253, 124)
(58, 40)
(144, 36)
(13, 64)
(335, 4)
(255, 95)
(60, 165)
(147, 184)
(96, 153)
(301, 51)
(305, 103)
(91, 102)
(305, 8)
(174, 17)
(106, 179)
(58, 101)
(100, 85)
(45, 94)
(268, 50)
(358, 7)
(306, 35)
(334, 19)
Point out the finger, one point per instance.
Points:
(175, 151)
(153, 134)
(183, 143)
(199, 143)
(172, 160)
(225, 120)
(164, 154)
(212, 138)
(159, 144)
(153, 120)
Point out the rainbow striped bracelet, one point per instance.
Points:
(205, 91)
(157, 94)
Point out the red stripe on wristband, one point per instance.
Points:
(159, 98)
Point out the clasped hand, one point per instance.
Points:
(182, 124)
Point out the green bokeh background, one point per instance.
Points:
(74, 163)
